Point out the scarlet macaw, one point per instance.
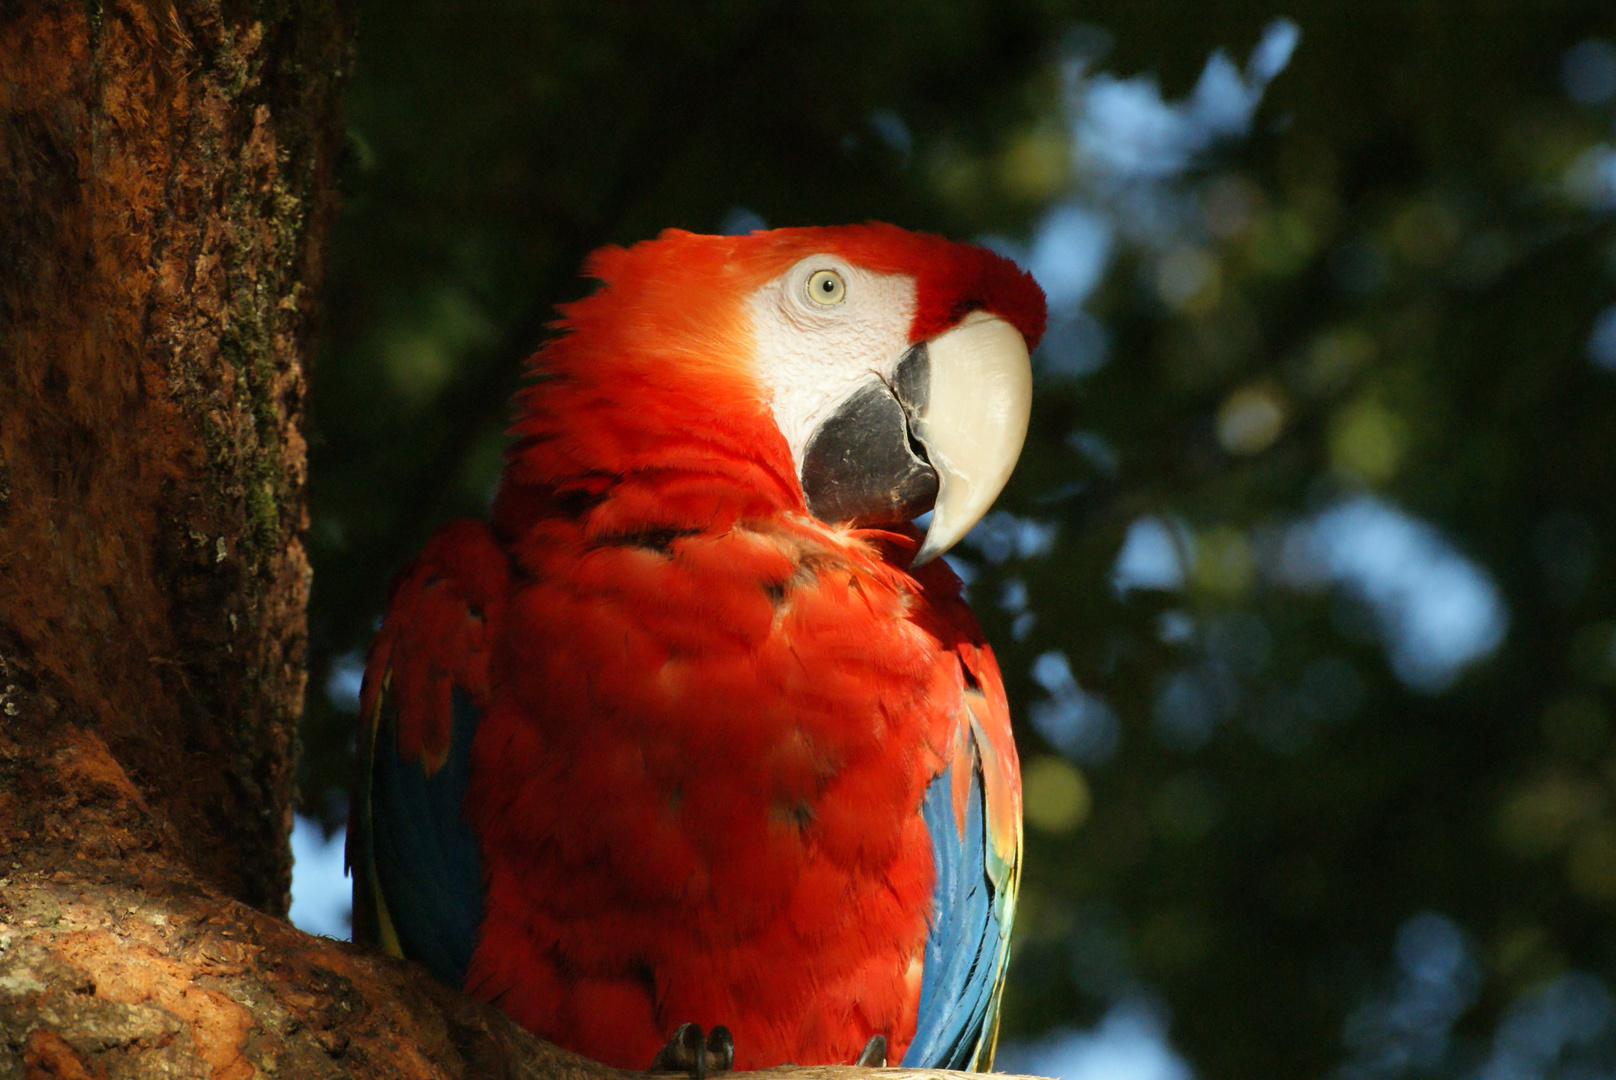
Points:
(696, 732)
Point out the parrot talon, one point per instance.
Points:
(720, 1049)
(874, 1054)
(684, 1052)
(687, 1051)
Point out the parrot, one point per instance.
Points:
(692, 755)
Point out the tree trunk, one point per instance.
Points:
(165, 186)
(165, 178)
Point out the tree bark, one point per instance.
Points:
(165, 188)
(165, 182)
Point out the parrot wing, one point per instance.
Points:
(415, 862)
(973, 815)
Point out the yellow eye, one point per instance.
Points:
(826, 287)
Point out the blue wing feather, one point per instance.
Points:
(426, 861)
(962, 961)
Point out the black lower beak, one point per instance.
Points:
(864, 464)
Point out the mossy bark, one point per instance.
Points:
(165, 185)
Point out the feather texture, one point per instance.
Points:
(675, 749)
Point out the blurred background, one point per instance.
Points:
(1305, 588)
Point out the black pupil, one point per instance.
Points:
(829, 285)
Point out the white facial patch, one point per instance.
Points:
(812, 356)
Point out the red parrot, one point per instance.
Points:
(696, 733)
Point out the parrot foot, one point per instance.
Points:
(874, 1054)
(688, 1052)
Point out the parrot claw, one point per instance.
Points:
(874, 1054)
(684, 1052)
(688, 1052)
(720, 1049)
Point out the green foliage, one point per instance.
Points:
(1386, 291)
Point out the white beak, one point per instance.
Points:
(974, 422)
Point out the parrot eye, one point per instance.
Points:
(826, 287)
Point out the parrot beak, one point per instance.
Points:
(941, 435)
(972, 423)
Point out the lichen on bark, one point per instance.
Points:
(164, 192)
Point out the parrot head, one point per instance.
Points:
(862, 374)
